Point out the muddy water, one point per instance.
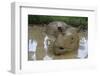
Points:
(36, 34)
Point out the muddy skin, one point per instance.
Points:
(63, 38)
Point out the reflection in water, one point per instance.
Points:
(32, 45)
(46, 57)
(32, 49)
(83, 50)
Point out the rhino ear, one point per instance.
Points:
(79, 28)
(44, 30)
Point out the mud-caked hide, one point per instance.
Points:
(63, 38)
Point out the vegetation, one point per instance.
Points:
(71, 20)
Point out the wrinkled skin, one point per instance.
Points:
(62, 38)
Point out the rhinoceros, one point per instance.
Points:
(62, 37)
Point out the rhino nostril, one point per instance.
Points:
(61, 48)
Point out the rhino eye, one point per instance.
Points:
(72, 38)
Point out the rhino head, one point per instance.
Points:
(62, 38)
